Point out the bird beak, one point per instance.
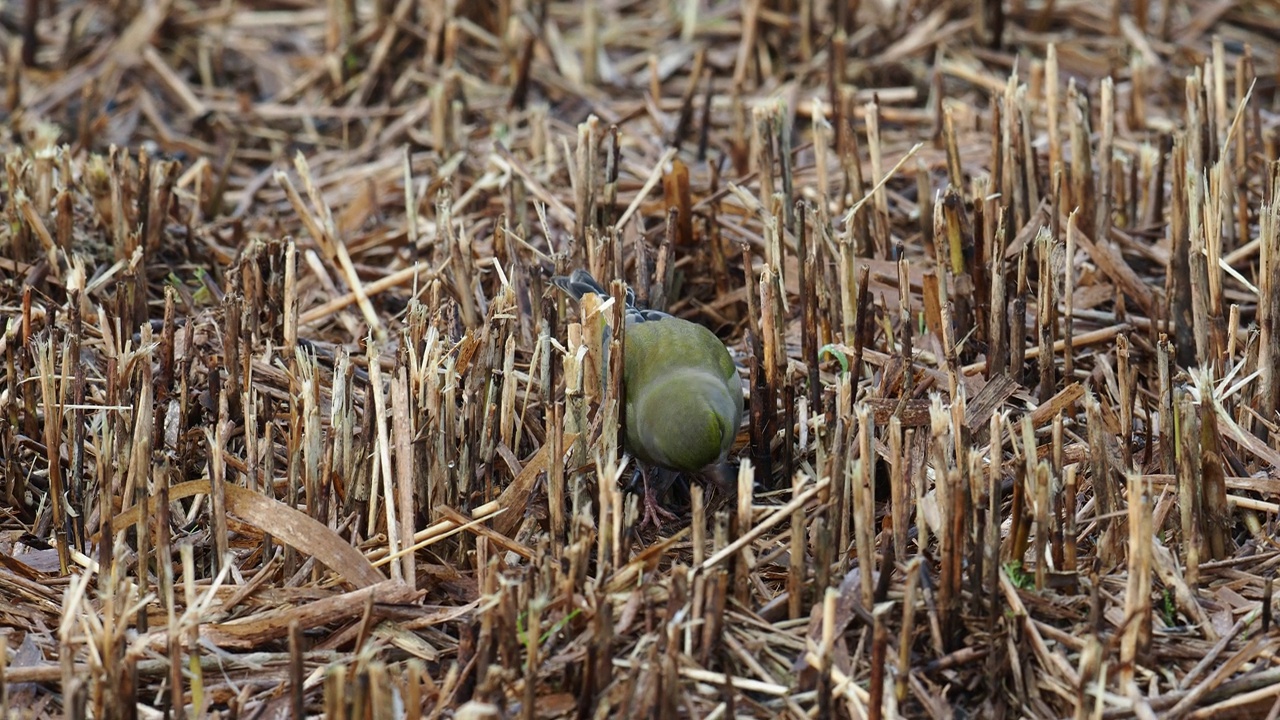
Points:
(725, 478)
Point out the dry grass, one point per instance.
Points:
(292, 424)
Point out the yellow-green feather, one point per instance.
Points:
(684, 399)
(683, 396)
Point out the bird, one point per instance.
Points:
(682, 392)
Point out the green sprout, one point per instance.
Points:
(832, 350)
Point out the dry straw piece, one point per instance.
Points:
(291, 424)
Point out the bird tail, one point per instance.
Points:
(579, 283)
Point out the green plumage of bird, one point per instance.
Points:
(683, 395)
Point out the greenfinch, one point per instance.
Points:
(683, 394)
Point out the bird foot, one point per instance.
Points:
(654, 513)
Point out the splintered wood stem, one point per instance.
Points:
(880, 217)
(1107, 115)
(1068, 300)
(1136, 638)
(1051, 101)
(1123, 380)
(1043, 521)
(864, 504)
(1268, 313)
(997, 332)
(1046, 312)
(899, 495)
(797, 569)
